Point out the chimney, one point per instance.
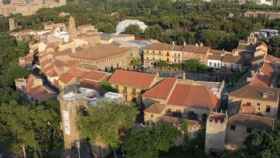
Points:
(235, 52)
(184, 76)
(173, 45)
(73, 50)
(184, 44)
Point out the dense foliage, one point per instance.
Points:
(104, 123)
(219, 24)
(33, 129)
(147, 142)
(260, 144)
(30, 128)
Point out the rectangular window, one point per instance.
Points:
(249, 130)
(232, 127)
(267, 108)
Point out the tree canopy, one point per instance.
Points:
(34, 129)
(194, 65)
(105, 122)
(149, 141)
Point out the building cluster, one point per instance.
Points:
(27, 7)
(253, 106)
(76, 60)
(67, 55)
(174, 54)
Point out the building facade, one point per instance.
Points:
(132, 84)
(27, 7)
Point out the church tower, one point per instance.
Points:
(72, 28)
(215, 132)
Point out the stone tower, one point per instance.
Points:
(12, 24)
(70, 102)
(72, 28)
(216, 132)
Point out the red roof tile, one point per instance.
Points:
(94, 75)
(271, 59)
(260, 81)
(132, 79)
(161, 90)
(267, 69)
(193, 96)
(67, 77)
(84, 75)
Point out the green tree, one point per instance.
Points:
(274, 44)
(194, 65)
(31, 130)
(136, 63)
(106, 122)
(149, 141)
(107, 87)
(133, 29)
(153, 32)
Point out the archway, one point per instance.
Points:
(124, 24)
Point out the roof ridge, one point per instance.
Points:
(171, 90)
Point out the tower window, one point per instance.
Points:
(267, 108)
(249, 130)
(233, 127)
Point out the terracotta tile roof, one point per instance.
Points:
(99, 52)
(37, 92)
(161, 90)
(94, 75)
(132, 79)
(84, 75)
(230, 58)
(156, 108)
(67, 77)
(260, 81)
(271, 59)
(257, 92)
(29, 82)
(267, 69)
(193, 96)
(195, 49)
(251, 121)
(215, 56)
(40, 93)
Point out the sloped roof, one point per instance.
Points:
(132, 79)
(99, 52)
(193, 96)
(251, 121)
(257, 92)
(161, 90)
(155, 108)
